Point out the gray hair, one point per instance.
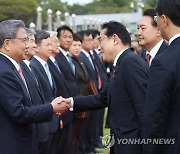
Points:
(30, 31)
(9, 29)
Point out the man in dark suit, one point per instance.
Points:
(34, 88)
(65, 36)
(46, 81)
(62, 90)
(65, 63)
(125, 93)
(149, 36)
(17, 114)
(93, 71)
(162, 110)
(101, 70)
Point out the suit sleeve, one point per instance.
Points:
(91, 102)
(136, 84)
(17, 106)
(157, 105)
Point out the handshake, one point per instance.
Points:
(61, 105)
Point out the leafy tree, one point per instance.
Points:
(152, 3)
(18, 9)
(54, 5)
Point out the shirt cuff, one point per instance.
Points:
(72, 104)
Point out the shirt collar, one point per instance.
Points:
(117, 57)
(27, 62)
(12, 61)
(63, 51)
(52, 59)
(85, 52)
(173, 38)
(154, 50)
(43, 62)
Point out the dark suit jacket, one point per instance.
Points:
(69, 76)
(17, 114)
(48, 91)
(92, 72)
(37, 98)
(162, 111)
(62, 90)
(125, 98)
(101, 68)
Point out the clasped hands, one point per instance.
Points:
(61, 105)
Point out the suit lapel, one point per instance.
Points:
(115, 73)
(32, 76)
(162, 48)
(61, 57)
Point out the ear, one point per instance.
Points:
(116, 39)
(158, 32)
(6, 44)
(165, 20)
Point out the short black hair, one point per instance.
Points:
(41, 35)
(77, 37)
(64, 27)
(83, 33)
(151, 13)
(119, 29)
(170, 8)
(94, 32)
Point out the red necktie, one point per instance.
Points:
(21, 74)
(98, 73)
(148, 57)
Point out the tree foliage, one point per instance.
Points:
(152, 3)
(101, 6)
(26, 9)
(18, 9)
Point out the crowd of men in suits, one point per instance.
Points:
(54, 87)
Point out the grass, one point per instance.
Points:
(106, 131)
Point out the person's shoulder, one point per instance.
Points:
(132, 57)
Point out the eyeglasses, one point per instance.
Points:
(155, 19)
(100, 39)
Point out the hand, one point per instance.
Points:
(60, 107)
(66, 100)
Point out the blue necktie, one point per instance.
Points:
(56, 64)
(48, 74)
(71, 63)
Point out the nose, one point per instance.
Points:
(139, 31)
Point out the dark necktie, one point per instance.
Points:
(148, 57)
